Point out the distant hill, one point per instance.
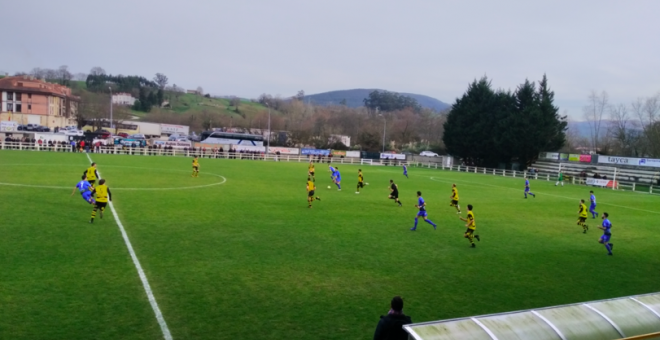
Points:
(355, 98)
(583, 129)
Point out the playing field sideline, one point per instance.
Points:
(236, 253)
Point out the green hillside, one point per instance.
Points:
(191, 103)
(197, 111)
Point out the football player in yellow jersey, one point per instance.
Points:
(103, 196)
(310, 171)
(360, 181)
(582, 217)
(310, 192)
(454, 198)
(195, 164)
(91, 174)
(471, 226)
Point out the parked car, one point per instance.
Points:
(429, 154)
(137, 136)
(103, 133)
(21, 127)
(194, 137)
(36, 128)
(175, 137)
(73, 132)
(123, 134)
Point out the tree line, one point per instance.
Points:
(404, 128)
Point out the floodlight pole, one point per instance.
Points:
(384, 127)
(268, 140)
(111, 124)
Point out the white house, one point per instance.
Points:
(123, 99)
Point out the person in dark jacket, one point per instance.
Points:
(390, 326)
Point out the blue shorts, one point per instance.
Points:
(526, 189)
(87, 196)
(592, 207)
(605, 238)
(422, 214)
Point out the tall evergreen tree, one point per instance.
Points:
(490, 128)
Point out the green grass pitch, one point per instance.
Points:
(246, 259)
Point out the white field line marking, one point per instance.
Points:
(143, 277)
(131, 189)
(544, 193)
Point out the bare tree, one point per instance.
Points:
(647, 111)
(161, 80)
(97, 71)
(593, 114)
(200, 90)
(38, 73)
(63, 75)
(80, 76)
(235, 102)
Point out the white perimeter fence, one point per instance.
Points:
(619, 179)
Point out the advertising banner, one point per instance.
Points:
(170, 129)
(173, 144)
(574, 157)
(8, 126)
(650, 162)
(283, 151)
(256, 148)
(585, 158)
(549, 155)
(338, 153)
(563, 156)
(398, 156)
(314, 152)
(601, 182)
(355, 154)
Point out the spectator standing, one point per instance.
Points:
(390, 326)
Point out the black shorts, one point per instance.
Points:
(101, 204)
(91, 181)
(311, 173)
(582, 219)
(196, 168)
(469, 231)
(394, 194)
(360, 184)
(310, 193)
(454, 202)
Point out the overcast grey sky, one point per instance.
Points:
(434, 48)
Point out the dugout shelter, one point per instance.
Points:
(633, 317)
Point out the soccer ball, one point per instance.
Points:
(328, 187)
(366, 183)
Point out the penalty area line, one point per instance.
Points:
(143, 277)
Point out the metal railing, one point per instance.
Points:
(146, 151)
(547, 175)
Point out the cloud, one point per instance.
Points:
(434, 48)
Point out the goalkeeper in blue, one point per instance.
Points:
(85, 190)
(421, 205)
(405, 171)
